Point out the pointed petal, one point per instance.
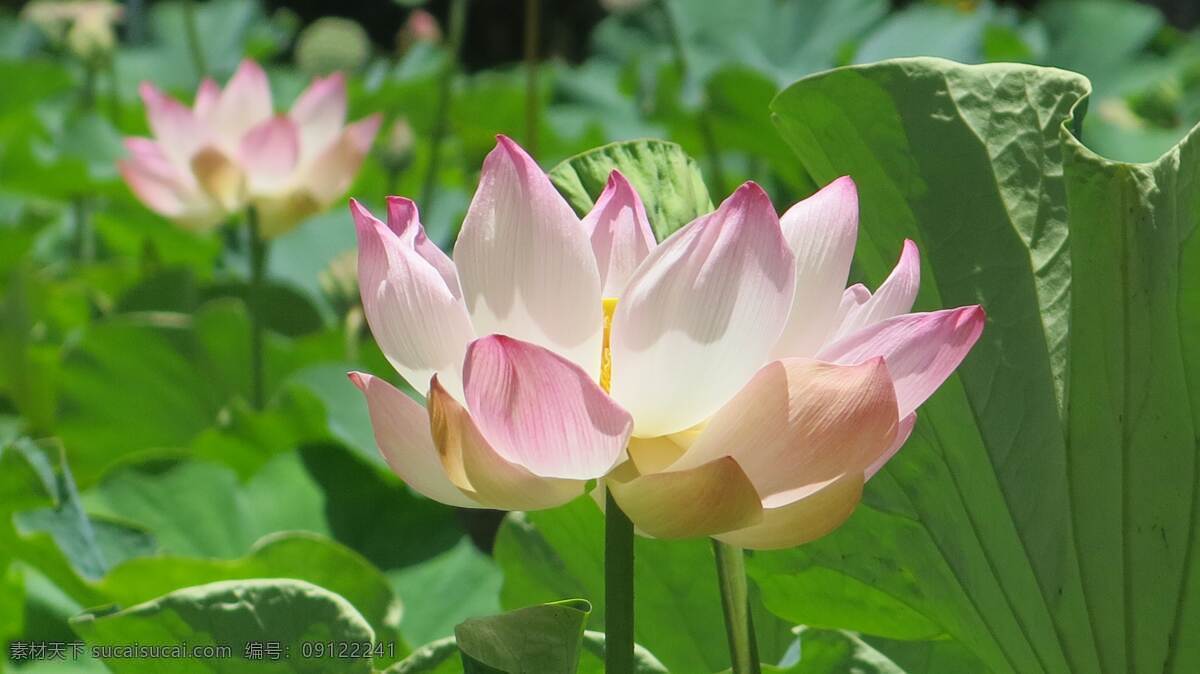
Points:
(853, 297)
(821, 231)
(921, 350)
(525, 262)
(329, 174)
(799, 423)
(475, 465)
(620, 234)
(701, 501)
(902, 434)
(174, 126)
(153, 178)
(320, 112)
(701, 313)
(542, 411)
(269, 153)
(803, 520)
(244, 104)
(895, 295)
(206, 100)
(416, 315)
(402, 432)
(401, 216)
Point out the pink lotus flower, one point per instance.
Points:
(231, 151)
(725, 380)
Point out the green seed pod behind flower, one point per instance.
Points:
(339, 281)
(395, 153)
(331, 44)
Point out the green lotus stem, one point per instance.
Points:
(193, 39)
(255, 305)
(618, 589)
(533, 9)
(84, 244)
(707, 135)
(114, 89)
(735, 603)
(458, 22)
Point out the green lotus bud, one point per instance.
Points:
(421, 26)
(339, 281)
(331, 44)
(396, 150)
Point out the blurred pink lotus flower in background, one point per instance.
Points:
(725, 380)
(232, 151)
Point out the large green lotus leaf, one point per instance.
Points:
(444, 591)
(43, 522)
(197, 508)
(550, 554)
(1041, 515)
(235, 615)
(667, 180)
(544, 638)
(298, 555)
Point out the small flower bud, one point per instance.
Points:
(421, 26)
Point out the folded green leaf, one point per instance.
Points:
(667, 180)
(544, 639)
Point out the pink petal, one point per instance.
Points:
(803, 520)
(895, 295)
(853, 297)
(401, 216)
(620, 234)
(700, 315)
(800, 423)
(542, 411)
(329, 175)
(477, 468)
(402, 432)
(902, 434)
(174, 126)
(411, 297)
(320, 112)
(708, 499)
(206, 100)
(921, 350)
(821, 231)
(269, 153)
(525, 262)
(244, 104)
(153, 178)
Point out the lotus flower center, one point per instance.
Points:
(610, 306)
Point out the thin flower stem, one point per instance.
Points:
(255, 304)
(707, 135)
(114, 90)
(192, 34)
(618, 589)
(533, 10)
(84, 243)
(441, 121)
(735, 602)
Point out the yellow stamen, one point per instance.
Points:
(610, 306)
